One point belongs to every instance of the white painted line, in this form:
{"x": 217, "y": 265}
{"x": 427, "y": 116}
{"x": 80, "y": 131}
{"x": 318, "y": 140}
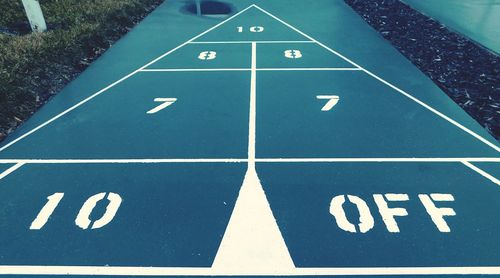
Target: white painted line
{"x": 11, "y": 169}
{"x": 252, "y": 113}
{"x": 194, "y": 70}
{"x": 242, "y": 160}
{"x": 243, "y": 42}
{"x": 123, "y": 161}
{"x": 249, "y": 69}
{"x": 389, "y": 271}
{"x": 381, "y": 159}
{"x": 117, "y": 82}
{"x": 477, "y": 136}
{"x": 481, "y": 172}
{"x": 305, "y": 69}
{"x": 252, "y": 241}
{"x": 204, "y": 271}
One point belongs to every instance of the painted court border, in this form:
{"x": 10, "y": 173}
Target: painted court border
{"x": 168, "y": 271}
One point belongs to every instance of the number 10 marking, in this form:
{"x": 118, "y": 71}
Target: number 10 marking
{"x": 83, "y": 218}
{"x": 253, "y": 29}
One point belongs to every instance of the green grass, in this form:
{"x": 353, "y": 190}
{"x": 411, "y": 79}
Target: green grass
{"x": 35, "y": 66}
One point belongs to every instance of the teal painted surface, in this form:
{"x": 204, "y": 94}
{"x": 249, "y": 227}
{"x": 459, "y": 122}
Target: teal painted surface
{"x": 490, "y": 168}
{"x": 175, "y": 214}
{"x": 4, "y": 167}
{"x": 313, "y": 56}
{"x": 227, "y": 56}
{"x": 300, "y": 196}
{"x": 477, "y": 19}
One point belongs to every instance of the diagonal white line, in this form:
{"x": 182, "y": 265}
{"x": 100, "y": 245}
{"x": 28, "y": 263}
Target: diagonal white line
{"x": 118, "y": 81}
{"x": 11, "y": 169}
{"x": 481, "y": 172}
{"x": 428, "y": 107}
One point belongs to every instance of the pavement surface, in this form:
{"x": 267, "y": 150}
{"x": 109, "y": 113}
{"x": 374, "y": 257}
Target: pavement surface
{"x": 287, "y": 139}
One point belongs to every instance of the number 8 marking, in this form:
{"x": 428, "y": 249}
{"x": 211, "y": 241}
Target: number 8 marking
{"x": 293, "y": 54}
{"x": 207, "y": 55}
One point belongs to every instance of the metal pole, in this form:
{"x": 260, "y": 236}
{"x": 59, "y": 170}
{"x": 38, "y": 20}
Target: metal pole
{"x": 198, "y": 7}
{"x": 35, "y": 15}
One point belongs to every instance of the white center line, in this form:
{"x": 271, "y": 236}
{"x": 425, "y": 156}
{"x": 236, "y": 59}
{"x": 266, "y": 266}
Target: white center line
{"x": 252, "y": 116}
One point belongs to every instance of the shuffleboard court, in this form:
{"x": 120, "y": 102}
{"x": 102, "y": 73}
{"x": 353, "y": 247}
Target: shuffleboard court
{"x": 254, "y": 148}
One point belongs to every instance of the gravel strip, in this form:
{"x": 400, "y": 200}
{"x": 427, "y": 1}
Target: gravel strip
{"x": 467, "y": 72}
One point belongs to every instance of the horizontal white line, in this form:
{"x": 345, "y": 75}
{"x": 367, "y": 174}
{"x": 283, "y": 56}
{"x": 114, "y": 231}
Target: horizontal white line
{"x": 183, "y": 70}
{"x": 204, "y": 271}
{"x": 239, "y": 160}
{"x": 318, "y": 69}
{"x": 239, "y": 42}
{"x": 248, "y": 69}
{"x": 383, "y": 159}
{"x": 123, "y": 161}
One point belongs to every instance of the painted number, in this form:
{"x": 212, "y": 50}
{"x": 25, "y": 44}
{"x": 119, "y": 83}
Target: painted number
{"x": 256, "y": 29}
{"x": 207, "y": 55}
{"x": 166, "y": 103}
{"x": 46, "y": 212}
{"x": 83, "y": 218}
{"x": 253, "y": 29}
{"x": 293, "y": 54}
{"x": 332, "y": 101}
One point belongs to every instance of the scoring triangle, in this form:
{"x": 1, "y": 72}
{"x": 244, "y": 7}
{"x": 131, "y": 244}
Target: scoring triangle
{"x": 253, "y": 25}
{"x": 252, "y": 242}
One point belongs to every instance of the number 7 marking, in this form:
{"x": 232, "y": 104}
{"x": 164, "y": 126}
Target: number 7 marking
{"x": 166, "y": 102}
{"x": 332, "y": 101}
